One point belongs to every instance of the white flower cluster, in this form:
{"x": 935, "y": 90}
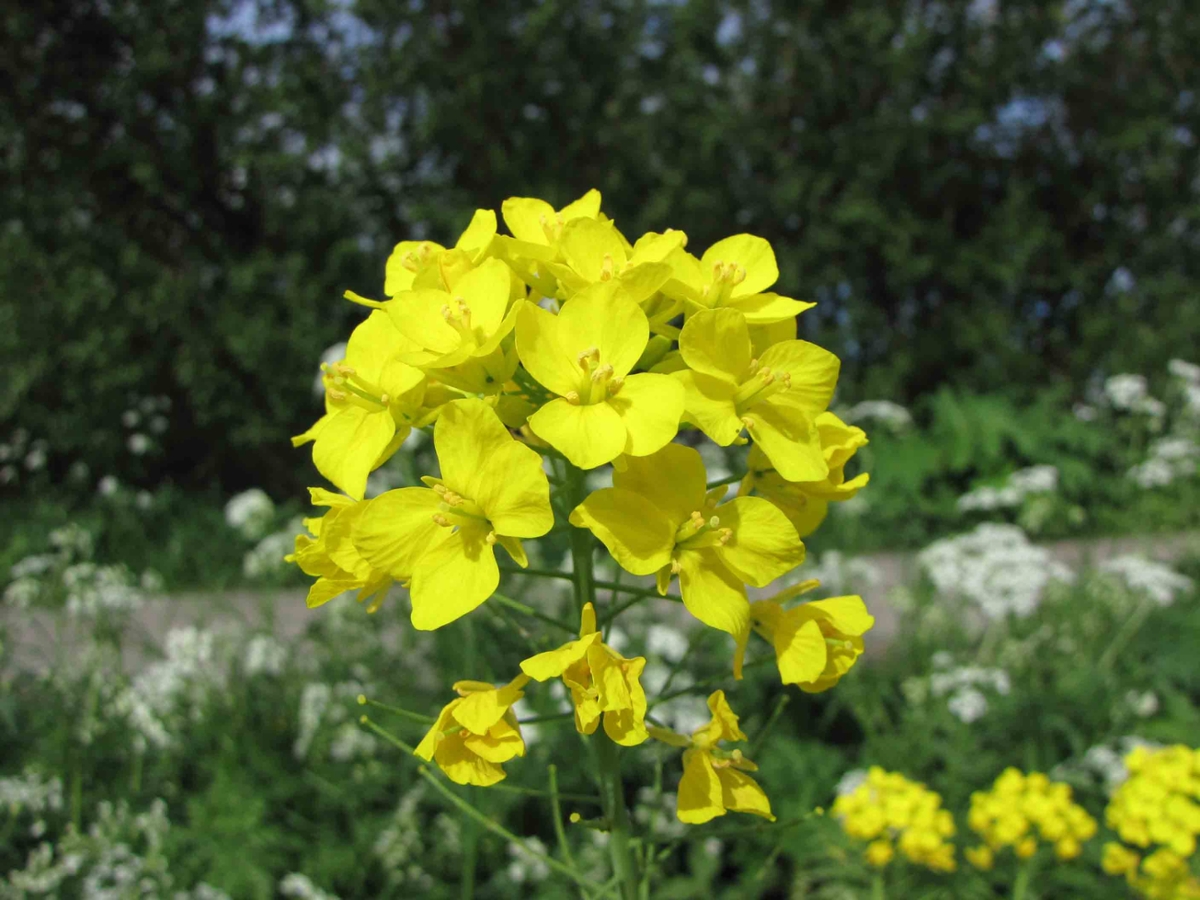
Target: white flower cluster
{"x": 891, "y": 415}
{"x": 1158, "y": 581}
{"x": 145, "y": 421}
{"x": 180, "y": 684}
{"x": 31, "y": 793}
{"x": 850, "y": 782}
{"x": 1019, "y": 485}
{"x": 840, "y": 574}
{"x": 1130, "y": 393}
{"x": 1188, "y": 377}
{"x": 329, "y": 706}
{"x": 524, "y": 867}
{"x": 302, "y": 888}
{"x": 267, "y": 557}
{"x": 250, "y": 513}
{"x": 93, "y": 590}
{"x": 965, "y": 686}
{"x": 1103, "y": 762}
{"x": 400, "y": 845}
{"x": 264, "y": 655}
{"x": 995, "y": 568}
{"x": 1170, "y": 458}
{"x": 19, "y": 452}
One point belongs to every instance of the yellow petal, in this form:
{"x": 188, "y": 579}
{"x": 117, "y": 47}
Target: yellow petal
{"x": 349, "y": 444}
{"x": 709, "y": 403}
{"x": 587, "y": 620}
{"x": 480, "y": 710}
{"x": 650, "y": 407}
{"x": 789, "y": 438}
{"x": 453, "y": 577}
{"x": 478, "y": 236}
{"x": 597, "y": 317}
{"x": 716, "y": 342}
{"x": 676, "y": 496}
{"x": 635, "y": 531}
{"x": 429, "y": 743}
{"x": 667, "y": 736}
{"x": 754, "y": 254}
{"x": 700, "y": 797}
{"x": 502, "y": 742}
{"x": 764, "y": 336}
{"x": 553, "y": 663}
{"x": 543, "y": 352}
{"x": 589, "y": 436}
{"x": 396, "y": 528}
{"x": 585, "y": 243}
{"x": 514, "y": 492}
{"x": 625, "y": 728}
{"x": 525, "y": 216}
{"x": 813, "y": 370}
{"x": 417, "y": 315}
{"x": 398, "y": 276}
{"x": 712, "y": 593}
{"x": 800, "y": 649}
{"x": 463, "y": 766}
{"x": 639, "y": 283}
{"x": 485, "y": 291}
{"x": 769, "y": 309}
{"x": 586, "y": 206}
{"x": 325, "y": 589}
{"x": 724, "y": 717}
{"x": 467, "y": 434}
{"x": 611, "y": 690}
{"x": 652, "y": 247}
{"x": 764, "y": 544}
{"x": 741, "y": 793}
{"x": 847, "y": 614}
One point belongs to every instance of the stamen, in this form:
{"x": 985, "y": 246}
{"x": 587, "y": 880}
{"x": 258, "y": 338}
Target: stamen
{"x": 602, "y": 373}
{"x": 335, "y": 394}
{"x": 439, "y": 519}
{"x": 697, "y": 518}
{"x": 491, "y": 538}
{"x": 676, "y": 567}
{"x": 439, "y": 488}
{"x": 606, "y": 268}
{"x": 739, "y": 276}
{"x": 588, "y": 358}
{"x": 724, "y": 536}
{"x": 615, "y": 384}
{"x": 714, "y": 522}
{"x": 748, "y": 422}
{"x": 753, "y": 366}
{"x": 384, "y": 399}
{"x": 572, "y": 397}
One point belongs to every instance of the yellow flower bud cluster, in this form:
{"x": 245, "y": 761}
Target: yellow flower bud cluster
{"x": 1019, "y": 811}
{"x": 1157, "y": 809}
{"x": 892, "y": 813}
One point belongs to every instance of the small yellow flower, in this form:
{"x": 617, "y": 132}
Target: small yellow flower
{"x": 806, "y": 503}
{"x": 584, "y": 356}
{"x": 888, "y": 807}
{"x": 1022, "y": 809}
{"x": 476, "y": 732}
{"x": 735, "y": 273}
{"x": 981, "y": 857}
{"x": 421, "y": 263}
{"x": 714, "y": 780}
{"x": 594, "y": 251}
{"x": 879, "y": 853}
{"x": 815, "y": 643}
{"x": 372, "y": 400}
{"x": 492, "y": 491}
{"x": 600, "y": 680}
{"x": 1119, "y": 860}
{"x": 536, "y": 228}
{"x": 775, "y": 398}
{"x": 659, "y": 519}
{"x": 331, "y": 556}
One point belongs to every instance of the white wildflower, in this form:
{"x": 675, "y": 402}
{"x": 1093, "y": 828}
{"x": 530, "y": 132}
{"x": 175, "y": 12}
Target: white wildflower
{"x": 850, "y": 782}
{"x": 525, "y": 867}
{"x": 264, "y": 655}
{"x": 1125, "y": 391}
{"x": 968, "y": 705}
{"x": 1156, "y": 580}
{"x": 108, "y": 486}
{"x": 1142, "y": 704}
{"x": 31, "y": 793}
{"x": 1152, "y": 473}
{"x": 138, "y": 444}
{"x": 1085, "y": 412}
{"x": 250, "y": 513}
{"x": 302, "y": 888}
{"x": 885, "y": 412}
{"x": 1185, "y": 371}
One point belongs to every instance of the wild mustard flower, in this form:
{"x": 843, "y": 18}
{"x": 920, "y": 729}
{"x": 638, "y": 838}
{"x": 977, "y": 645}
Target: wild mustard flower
{"x": 421, "y": 264}
{"x": 733, "y": 273}
{"x": 1157, "y": 810}
{"x": 594, "y": 251}
{"x": 332, "y": 556}
{"x": 584, "y": 356}
{"x": 372, "y": 400}
{"x": 816, "y": 643}
{"x": 601, "y": 681}
{"x": 667, "y": 525}
{"x": 476, "y": 732}
{"x": 492, "y": 490}
{"x": 1020, "y": 810}
{"x": 775, "y": 398}
{"x": 890, "y": 813}
{"x": 714, "y": 780}
{"x": 806, "y": 503}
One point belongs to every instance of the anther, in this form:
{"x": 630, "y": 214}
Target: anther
{"x": 748, "y": 422}
{"x": 697, "y": 518}
{"x": 602, "y": 373}
{"x": 384, "y": 399}
{"x": 753, "y": 366}
{"x": 335, "y": 394}
{"x": 588, "y": 357}
{"x": 572, "y": 397}
{"x": 616, "y": 383}
{"x": 714, "y": 522}
{"x": 439, "y": 489}
{"x": 491, "y": 538}
{"x": 724, "y": 536}
{"x": 439, "y": 519}
{"x": 676, "y": 567}
{"x": 606, "y": 268}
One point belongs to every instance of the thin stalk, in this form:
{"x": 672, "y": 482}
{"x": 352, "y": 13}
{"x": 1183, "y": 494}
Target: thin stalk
{"x": 759, "y": 738}
{"x": 518, "y": 606}
{"x": 496, "y": 828}
{"x": 639, "y": 591}
{"x": 705, "y": 684}
{"x": 877, "y": 889}
{"x": 560, "y": 833}
{"x": 581, "y": 542}
{"x": 1024, "y": 876}
{"x": 1131, "y": 627}
{"x": 618, "y": 816}
{"x": 396, "y": 710}
{"x": 615, "y": 611}
{"x": 538, "y": 573}
{"x": 728, "y": 479}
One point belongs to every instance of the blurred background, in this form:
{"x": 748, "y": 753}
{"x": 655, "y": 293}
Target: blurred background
{"x": 995, "y": 203}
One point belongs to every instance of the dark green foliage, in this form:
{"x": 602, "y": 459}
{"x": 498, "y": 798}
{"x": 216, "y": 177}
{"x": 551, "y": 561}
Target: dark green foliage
{"x": 993, "y": 196}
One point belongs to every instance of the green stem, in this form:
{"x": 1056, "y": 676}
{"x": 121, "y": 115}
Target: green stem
{"x": 364, "y": 700}
{"x": 638, "y": 591}
{"x": 537, "y": 573}
{"x": 759, "y": 738}
{"x": 1131, "y": 627}
{"x": 518, "y": 606}
{"x": 877, "y": 888}
{"x": 728, "y": 479}
{"x": 581, "y": 542}
{"x": 613, "y": 793}
{"x": 1024, "y": 875}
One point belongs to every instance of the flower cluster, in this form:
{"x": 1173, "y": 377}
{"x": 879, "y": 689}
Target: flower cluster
{"x": 891, "y": 812}
{"x": 533, "y": 358}
{"x": 1157, "y": 810}
{"x": 1022, "y": 809}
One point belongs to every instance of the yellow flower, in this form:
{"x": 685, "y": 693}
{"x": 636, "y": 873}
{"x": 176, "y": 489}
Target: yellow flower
{"x": 714, "y": 780}
{"x": 1020, "y": 809}
{"x": 806, "y": 503}
{"x": 815, "y": 643}
{"x": 594, "y": 251}
{"x": 776, "y": 398}
{"x": 448, "y": 328}
{"x": 888, "y": 807}
{"x": 331, "y": 556}
{"x": 1157, "y": 807}
{"x": 372, "y": 400}
{"x": 879, "y": 853}
{"x": 981, "y": 857}
{"x": 476, "y": 732}
{"x": 492, "y": 490}
{"x": 659, "y": 519}
{"x": 420, "y": 263}
{"x": 601, "y": 681}
{"x": 734, "y": 273}
{"x": 536, "y": 229}
{"x": 584, "y": 355}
